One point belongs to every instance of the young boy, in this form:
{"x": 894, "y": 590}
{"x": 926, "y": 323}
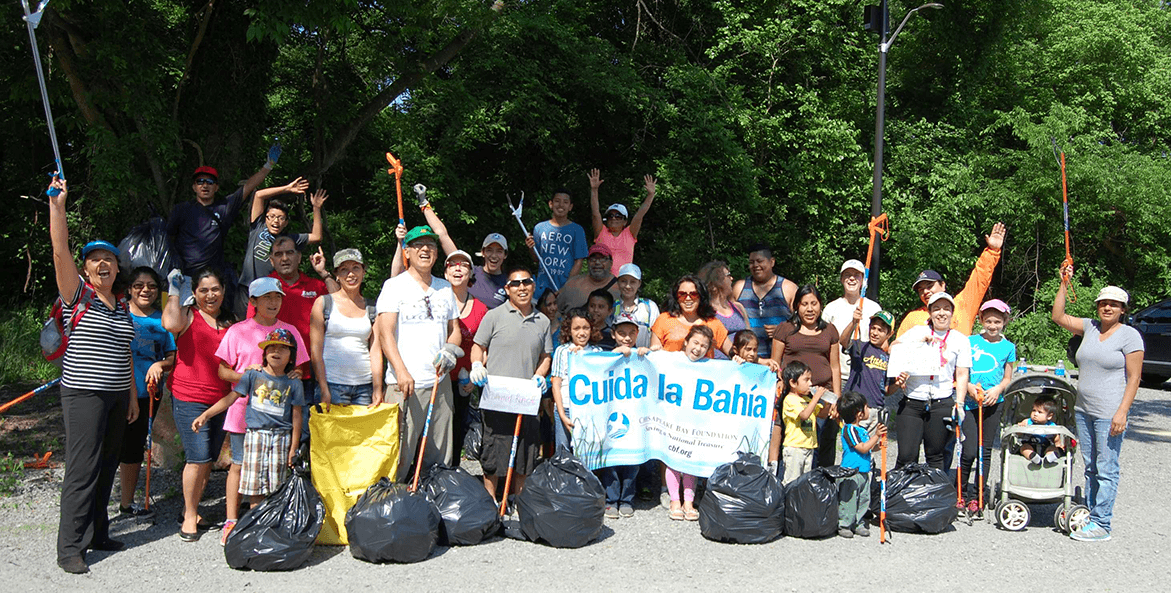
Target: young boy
{"x": 599, "y": 306}
{"x": 857, "y": 444}
{"x": 620, "y": 481}
{"x": 611, "y": 229}
{"x": 269, "y": 219}
{"x": 800, "y": 402}
{"x": 868, "y": 360}
{"x": 559, "y": 243}
{"x": 643, "y": 311}
{"x": 274, "y": 403}
{"x": 1040, "y": 448}
{"x": 993, "y": 360}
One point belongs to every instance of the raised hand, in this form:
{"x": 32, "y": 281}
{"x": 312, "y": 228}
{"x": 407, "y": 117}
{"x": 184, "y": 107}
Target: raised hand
{"x": 400, "y": 232}
{"x": 595, "y": 176}
{"x": 58, "y": 201}
{"x": 317, "y": 260}
{"x": 648, "y": 181}
{"x": 297, "y": 186}
{"x": 274, "y": 153}
{"x": 421, "y": 195}
{"x": 317, "y": 200}
{"x": 996, "y": 239}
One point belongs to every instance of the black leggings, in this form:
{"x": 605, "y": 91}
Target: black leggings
{"x": 971, "y": 443}
{"x": 921, "y": 423}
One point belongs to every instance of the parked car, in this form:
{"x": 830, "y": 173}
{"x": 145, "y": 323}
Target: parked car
{"x": 1154, "y": 323}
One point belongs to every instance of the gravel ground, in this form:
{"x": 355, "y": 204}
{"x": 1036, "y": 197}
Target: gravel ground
{"x": 647, "y": 551}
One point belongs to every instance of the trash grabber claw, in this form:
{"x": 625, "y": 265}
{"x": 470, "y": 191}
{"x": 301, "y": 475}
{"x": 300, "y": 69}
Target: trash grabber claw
{"x": 396, "y": 169}
{"x": 511, "y": 464}
{"x": 426, "y": 429}
{"x": 879, "y": 228}
{"x": 1060, "y": 155}
{"x": 33, "y": 19}
{"x": 151, "y": 389}
{"x": 516, "y": 212}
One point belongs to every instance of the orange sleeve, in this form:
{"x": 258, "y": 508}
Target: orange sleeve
{"x": 916, "y": 317}
{"x": 969, "y": 299}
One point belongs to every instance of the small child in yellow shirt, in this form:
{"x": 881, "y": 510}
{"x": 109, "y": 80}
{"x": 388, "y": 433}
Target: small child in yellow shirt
{"x": 799, "y": 403}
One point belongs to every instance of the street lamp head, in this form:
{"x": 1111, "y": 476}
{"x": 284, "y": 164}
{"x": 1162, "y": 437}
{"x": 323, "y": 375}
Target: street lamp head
{"x": 932, "y": 5}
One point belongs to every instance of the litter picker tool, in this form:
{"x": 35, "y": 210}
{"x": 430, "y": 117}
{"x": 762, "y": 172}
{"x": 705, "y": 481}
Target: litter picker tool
{"x": 980, "y": 450}
{"x": 5, "y": 407}
{"x": 517, "y": 212}
{"x": 33, "y": 19}
{"x": 879, "y": 228}
{"x": 426, "y": 429}
{"x": 959, "y": 450}
{"x": 152, "y": 388}
{"x": 1060, "y": 156}
{"x": 883, "y": 417}
{"x": 511, "y": 464}
{"x": 396, "y": 169}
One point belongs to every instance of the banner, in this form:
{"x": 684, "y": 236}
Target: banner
{"x": 914, "y": 358}
{"x": 511, "y": 395}
{"x": 693, "y": 416}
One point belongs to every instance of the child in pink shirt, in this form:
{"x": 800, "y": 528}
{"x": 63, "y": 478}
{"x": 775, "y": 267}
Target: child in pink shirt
{"x": 612, "y": 229}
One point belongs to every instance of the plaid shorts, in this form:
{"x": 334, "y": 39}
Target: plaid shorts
{"x": 266, "y": 457}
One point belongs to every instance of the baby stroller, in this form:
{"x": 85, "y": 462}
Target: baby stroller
{"x": 1021, "y": 482}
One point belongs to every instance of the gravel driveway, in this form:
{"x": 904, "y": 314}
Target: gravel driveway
{"x": 647, "y": 551}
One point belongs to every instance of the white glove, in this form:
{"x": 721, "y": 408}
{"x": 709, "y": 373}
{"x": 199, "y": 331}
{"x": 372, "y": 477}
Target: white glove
{"x": 542, "y": 383}
{"x": 445, "y": 359}
{"x": 175, "y": 282}
{"x": 479, "y": 374}
{"x": 421, "y": 194}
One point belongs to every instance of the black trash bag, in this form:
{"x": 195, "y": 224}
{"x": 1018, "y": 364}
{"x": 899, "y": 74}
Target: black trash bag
{"x": 562, "y": 503}
{"x": 919, "y": 499}
{"x": 469, "y": 514}
{"x": 390, "y": 524}
{"x": 147, "y": 245}
{"x": 474, "y": 440}
{"x": 279, "y": 533}
{"x": 811, "y": 502}
{"x": 744, "y": 504}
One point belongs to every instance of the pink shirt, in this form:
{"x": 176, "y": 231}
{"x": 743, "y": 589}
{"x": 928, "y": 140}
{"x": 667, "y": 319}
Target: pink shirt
{"x": 621, "y": 246}
{"x": 240, "y": 349}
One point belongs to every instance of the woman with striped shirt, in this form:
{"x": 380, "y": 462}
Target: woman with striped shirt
{"x": 98, "y": 395}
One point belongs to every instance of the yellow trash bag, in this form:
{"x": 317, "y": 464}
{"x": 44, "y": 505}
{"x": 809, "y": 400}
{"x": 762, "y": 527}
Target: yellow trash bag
{"x": 352, "y": 447}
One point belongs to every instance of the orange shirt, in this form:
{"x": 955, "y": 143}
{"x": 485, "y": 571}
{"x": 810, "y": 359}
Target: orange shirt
{"x": 672, "y": 332}
{"x": 967, "y": 301}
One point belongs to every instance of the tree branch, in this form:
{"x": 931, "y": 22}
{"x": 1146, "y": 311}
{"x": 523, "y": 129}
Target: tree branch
{"x": 195, "y": 43}
{"x": 59, "y": 42}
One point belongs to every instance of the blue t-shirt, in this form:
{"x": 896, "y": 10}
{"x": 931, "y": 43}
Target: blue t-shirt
{"x": 151, "y": 344}
{"x": 270, "y": 400}
{"x": 558, "y": 247}
{"x": 988, "y": 360}
{"x": 868, "y": 372}
{"x": 852, "y": 436}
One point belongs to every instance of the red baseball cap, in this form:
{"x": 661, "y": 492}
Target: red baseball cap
{"x": 209, "y": 171}
{"x": 599, "y": 249}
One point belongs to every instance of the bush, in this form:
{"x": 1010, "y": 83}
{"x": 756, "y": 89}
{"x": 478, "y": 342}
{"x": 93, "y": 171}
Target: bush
{"x": 20, "y": 350}
{"x": 1037, "y": 338}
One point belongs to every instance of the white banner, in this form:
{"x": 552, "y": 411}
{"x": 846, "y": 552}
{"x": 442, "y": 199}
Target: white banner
{"x": 914, "y": 358}
{"x": 693, "y": 416}
{"x": 512, "y": 395}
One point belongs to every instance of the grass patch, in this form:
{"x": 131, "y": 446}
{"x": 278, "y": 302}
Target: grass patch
{"x": 20, "y": 349}
{"x": 11, "y": 473}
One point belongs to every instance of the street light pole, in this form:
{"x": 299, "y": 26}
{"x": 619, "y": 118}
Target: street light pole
{"x": 879, "y": 121}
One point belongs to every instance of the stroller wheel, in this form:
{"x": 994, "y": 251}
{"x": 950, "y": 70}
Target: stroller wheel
{"x": 1077, "y": 517}
{"x": 1060, "y": 520}
{"x": 1012, "y": 515}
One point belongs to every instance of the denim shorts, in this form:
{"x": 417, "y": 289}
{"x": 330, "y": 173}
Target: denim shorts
{"x": 203, "y": 446}
{"x": 237, "y": 444}
{"x": 348, "y": 395}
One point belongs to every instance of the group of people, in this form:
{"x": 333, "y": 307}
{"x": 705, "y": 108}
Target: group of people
{"x": 245, "y": 356}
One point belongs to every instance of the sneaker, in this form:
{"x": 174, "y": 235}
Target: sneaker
{"x": 1091, "y": 532}
{"x": 861, "y": 530}
{"x": 135, "y": 511}
{"x": 960, "y": 504}
{"x": 973, "y": 507}
{"x": 625, "y": 510}
{"x": 225, "y": 530}
{"x": 845, "y": 532}
{"x": 611, "y": 512}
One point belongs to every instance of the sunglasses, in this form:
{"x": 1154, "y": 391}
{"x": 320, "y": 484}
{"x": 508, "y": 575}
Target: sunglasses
{"x": 205, "y": 181}
{"x": 519, "y": 283}
{"x": 144, "y": 286}
{"x": 427, "y": 302}
{"x": 687, "y": 296}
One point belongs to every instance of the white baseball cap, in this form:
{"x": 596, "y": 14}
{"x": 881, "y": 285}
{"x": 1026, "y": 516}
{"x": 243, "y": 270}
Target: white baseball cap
{"x": 619, "y": 208}
{"x": 1113, "y": 293}
{"x": 493, "y": 238}
{"x": 630, "y": 270}
{"x": 853, "y": 264}
{"x": 941, "y": 296}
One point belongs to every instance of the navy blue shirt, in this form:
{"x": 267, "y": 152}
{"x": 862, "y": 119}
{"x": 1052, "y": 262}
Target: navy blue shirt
{"x": 197, "y": 232}
{"x": 868, "y": 372}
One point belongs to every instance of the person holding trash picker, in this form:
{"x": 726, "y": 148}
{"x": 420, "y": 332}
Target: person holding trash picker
{"x": 514, "y": 340}
{"x": 967, "y": 300}
{"x": 1110, "y": 362}
{"x": 419, "y": 311}
{"x": 857, "y": 446}
{"x": 840, "y": 311}
{"x": 868, "y": 361}
{"x": 275, "y": 402}
{"x": 611, "y": 228}
{"x": 993, "y": 361}
{"x": 98, "y": 393}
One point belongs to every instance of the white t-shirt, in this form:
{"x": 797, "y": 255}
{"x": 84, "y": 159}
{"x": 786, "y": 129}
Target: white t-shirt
{"x": 954, "y": 350}
{"x": 840, "y": 313}
{"x": 422, "y": 323}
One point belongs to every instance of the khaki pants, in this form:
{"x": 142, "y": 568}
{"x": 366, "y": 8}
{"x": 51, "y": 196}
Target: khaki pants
{"x": 413, "y": 417}
{"x": 797, "y": 461}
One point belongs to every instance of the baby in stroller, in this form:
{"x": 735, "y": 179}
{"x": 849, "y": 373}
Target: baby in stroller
{"x": 1042, "y": 448}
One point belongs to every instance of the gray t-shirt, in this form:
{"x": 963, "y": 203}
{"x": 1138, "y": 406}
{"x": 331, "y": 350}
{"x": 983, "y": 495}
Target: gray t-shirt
{"x": 514, "y": 341}
{"x": 1102, "y": 368}
{"x": 270, "y": 400}
{"x": 256, "y": 262}
{"x": 489, "y": 288}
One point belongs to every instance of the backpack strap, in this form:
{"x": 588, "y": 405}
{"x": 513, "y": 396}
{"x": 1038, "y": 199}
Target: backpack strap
{"x": 84, "y": 301}
{"x": 326, "y": 307}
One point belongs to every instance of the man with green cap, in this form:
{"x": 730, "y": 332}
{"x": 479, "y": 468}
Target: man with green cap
{"x": 420, "y": 312}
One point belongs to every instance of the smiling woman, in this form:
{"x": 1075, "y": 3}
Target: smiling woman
{"x": 97, "y": 388}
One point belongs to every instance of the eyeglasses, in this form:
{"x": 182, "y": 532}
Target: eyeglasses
{"x": 427, "y": 245}
{"x": 276, "y": 217}
{"x": 459, "y": 264}
{"x": 520, "y": 282}
{"x": 144, "y": 286}
{"x": 687, "y": 296}
{"x": 205, "y": 181}
{"x": 427, "y": 302}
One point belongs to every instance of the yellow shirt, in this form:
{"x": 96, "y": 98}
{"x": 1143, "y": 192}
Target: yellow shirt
{"x": 967, "y": 301}
{"x": 799, "y": 433}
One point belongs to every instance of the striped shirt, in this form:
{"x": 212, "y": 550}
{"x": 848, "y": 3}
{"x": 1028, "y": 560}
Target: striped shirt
{"x": 98, "y": 355}
{"x": 772, "y": 309}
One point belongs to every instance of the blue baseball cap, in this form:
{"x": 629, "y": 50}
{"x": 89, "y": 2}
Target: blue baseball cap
{"x": 263, "y": 286}
{"x": 105, "y": 245}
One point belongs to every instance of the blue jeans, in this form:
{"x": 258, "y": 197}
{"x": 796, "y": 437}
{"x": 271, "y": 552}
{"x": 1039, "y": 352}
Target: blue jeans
{"x": 348, "y": 395}
{"x": 561, "y": 437}
{"x": 619, "y": 484}
{"x": 203, "y": 446}
{"x": 236, "y": 442}
{"x": 1100, "y": 453}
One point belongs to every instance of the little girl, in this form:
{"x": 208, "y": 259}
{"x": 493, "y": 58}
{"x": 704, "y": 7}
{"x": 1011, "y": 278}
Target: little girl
{"x": 641, "y": 310}
{"x": 575, "y": 337}
{"x": 273, "y": 416}
{"x": 744, "y": 350}
{"x": 695, "y": 346}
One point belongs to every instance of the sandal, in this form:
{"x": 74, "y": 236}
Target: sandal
{"x": 190, "y": 537}
{"x": 677, "y": 515}
{"x": 691, "y": 515}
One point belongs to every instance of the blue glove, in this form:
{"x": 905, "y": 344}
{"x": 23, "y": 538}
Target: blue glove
{"x": 479, "y": 374}
{"x": 542, "y": 383}
{"x": 274, "y": 154}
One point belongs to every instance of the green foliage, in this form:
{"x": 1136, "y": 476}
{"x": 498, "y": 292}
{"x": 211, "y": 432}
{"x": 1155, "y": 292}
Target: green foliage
{"x": 20, "y": 356}
{"x": 11, "y": 473}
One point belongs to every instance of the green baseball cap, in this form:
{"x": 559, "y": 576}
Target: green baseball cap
{"x": 419, "y": 232}
{"x": 885, "y": 317}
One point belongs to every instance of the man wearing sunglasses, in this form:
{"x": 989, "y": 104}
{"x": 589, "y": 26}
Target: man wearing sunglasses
{"x": 576, "y": 291}
{"x": 420, "y": 312}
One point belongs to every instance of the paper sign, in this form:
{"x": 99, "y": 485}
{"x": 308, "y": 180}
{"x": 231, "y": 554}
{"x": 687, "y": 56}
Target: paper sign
{"x": 915, "y": 358}
{"x": 512, "y": 395}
